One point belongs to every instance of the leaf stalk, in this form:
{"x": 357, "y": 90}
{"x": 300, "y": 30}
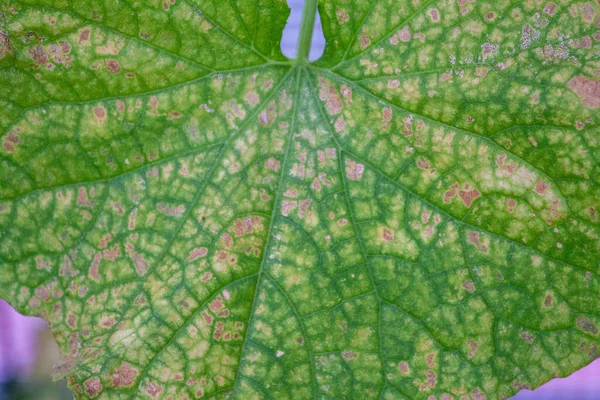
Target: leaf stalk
{"x": 309, "y": 14}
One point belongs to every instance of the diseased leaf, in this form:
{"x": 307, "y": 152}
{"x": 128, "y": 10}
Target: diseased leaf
{"x": 413, "y": 216}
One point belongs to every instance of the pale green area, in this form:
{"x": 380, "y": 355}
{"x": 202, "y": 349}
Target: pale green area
{"x": 413, "y": 216}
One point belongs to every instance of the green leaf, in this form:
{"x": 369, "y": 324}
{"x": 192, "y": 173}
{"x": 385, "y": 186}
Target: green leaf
{"x": 413, "y": 216}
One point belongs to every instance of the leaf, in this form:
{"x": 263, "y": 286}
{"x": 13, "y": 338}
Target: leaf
{"x": 415, "y": 215}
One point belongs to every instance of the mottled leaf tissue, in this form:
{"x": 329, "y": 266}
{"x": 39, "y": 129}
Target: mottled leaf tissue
{"x": 415, "y": 215}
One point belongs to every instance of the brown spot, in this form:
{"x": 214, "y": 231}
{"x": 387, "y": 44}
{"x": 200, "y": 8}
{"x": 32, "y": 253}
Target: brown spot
{"x": 403, "y": 34}
{"x": 342, "y": 16}
{"x": 207, "y": 317}
{"x": 167, "y": 4}
{"x": 303, "y": 207}
{"x": 65, "y": 47}
{"x": 423, "y": 164}
{"x": 388, "y": 235}
{"x": 588, "y": 90}
{"x": 100, "y": 113}
{"x": 131, "y": 219}
{"x": 587, "y": 325}
{"x": 316, "y": 185}
{"x": 252, "y": 98}
{"x": 5, "y": 44}
{"x": 112, "y": 253}
{"x": 549, "y": 9}
{"x": 434, "y": 15}
{"x": 431, "y": 380}
{"x": 154, "y": 104}
{"x": 93, "y": 272}
{"x": 239, "y": 229}
{"x": 339, "y": 124}
{"x": 487, "y": 49}
{"x": 431, "y": 360}
{"x": 104, "y": 241}
{"x": 82, "y": 198}
{"x": 348, "y": 355}
{"x": 272, "y": 164}
{"x": 364, "y": 40}
{"x": 477, "y": 394}
{"x": 84, "y": 36}
{"x": 587, "y": 11}
{"x": 473, "y": 348}
{"x": 446, "y": 77}
{"x": 34, "y": 302}
{"x": 354, "y": 171}
{"x": 10, "y": 140}
{"x": 511, "y": 203}
{"x": 197, "y": 253}
{"x": 140, "y": 264}
{"x": 206, "y": 277}
{"x": 93, "y": 387}
{"x": 541, "y": 187}
{"x": 40, "y": 263}
{"x": 153, "y": 389}
{"x": 218, "y": 331}
{"x": 584, "y": 43}
{"x": 217, "y": 304}
{"x": 287, "y": 206}
{"x": 593, "y": 351}
{"x": 548, "y": 301}
{"x": 450, "y": 193}
{"x": 171, "y": 211}
{"x": 468, "y": 196}
{"x": 403, "y": 367}
{"x": 500, "y": 159}
{"x": 346, "y": 91}
{"x": 474, "y": 237}
{"x": 481, "y": 72}
{"x": 39, "y": 55}
{"x": 71, "y": 320}
{"x": 221, "y": 255}
{"x": 43, "y": 293}
{"x": 328, "y": 93}
{"x": 527, "y": 337}
{"x": 519, "y": 385}
{"x": 152, "y": 173}
{"x": 469, "y": 286}
{"x": 387, "y": 114}
{"x": 124, "y": 375}
{"x": 532, "y": 141}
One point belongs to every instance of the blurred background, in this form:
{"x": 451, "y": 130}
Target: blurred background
{"x": 28, "y": 351}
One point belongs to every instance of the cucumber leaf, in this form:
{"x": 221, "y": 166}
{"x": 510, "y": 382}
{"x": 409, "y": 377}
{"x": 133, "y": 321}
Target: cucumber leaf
{"x": 416, "y": 215}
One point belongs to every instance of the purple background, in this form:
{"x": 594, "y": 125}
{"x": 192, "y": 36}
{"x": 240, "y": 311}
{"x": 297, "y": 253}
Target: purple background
{"x": 19, "y": 349}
